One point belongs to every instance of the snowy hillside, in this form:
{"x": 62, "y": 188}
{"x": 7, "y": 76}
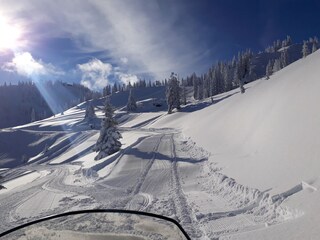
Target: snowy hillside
{"x": 29, "y": 101}
{"x": 244, "y": 166}
{"x": 267, "y": 138}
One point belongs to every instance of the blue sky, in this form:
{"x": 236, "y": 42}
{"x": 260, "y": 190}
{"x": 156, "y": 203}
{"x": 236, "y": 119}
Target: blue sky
{"x": 96, "y": 42}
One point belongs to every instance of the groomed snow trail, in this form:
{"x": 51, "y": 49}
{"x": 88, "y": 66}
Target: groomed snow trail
{"x": 161, "y": 172}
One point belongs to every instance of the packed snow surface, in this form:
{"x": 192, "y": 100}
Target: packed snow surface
{"x": 245, "y": 166}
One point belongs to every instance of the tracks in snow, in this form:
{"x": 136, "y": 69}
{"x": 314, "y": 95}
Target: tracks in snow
{"x": 183, "y": 211}
{"x": 147, "y": 168}
{"x": 136, "y": 201}
{"x": 159, "y": 171}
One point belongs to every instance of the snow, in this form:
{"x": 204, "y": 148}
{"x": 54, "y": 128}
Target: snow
{"x": 243, "y": 167}
{"x": 23, "y": 180}
{"x": 267, "y": 138}
{"x": 141, "y": 120}
{"x": 269, "y": 133}
{"x": 77, "y": 150}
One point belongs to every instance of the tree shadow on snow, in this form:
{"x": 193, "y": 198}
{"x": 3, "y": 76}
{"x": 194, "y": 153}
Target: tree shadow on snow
{"x": 160, "y": 156}
{"x": 199, "y": 106}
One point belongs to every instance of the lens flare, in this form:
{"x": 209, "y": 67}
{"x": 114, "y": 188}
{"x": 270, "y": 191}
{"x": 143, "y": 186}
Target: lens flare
{"x": 10, "y": 35}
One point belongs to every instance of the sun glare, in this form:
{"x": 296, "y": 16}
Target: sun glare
{"x": 10, "y": 35}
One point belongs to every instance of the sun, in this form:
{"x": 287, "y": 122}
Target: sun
{"x": 10, "y": 35}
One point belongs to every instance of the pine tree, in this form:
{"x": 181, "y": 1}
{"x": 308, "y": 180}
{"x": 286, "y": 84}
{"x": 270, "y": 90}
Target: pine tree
{"x": 195, "y": 85}
{"x": 200, "y": 88}
{"x": 108, "y": 141}
{"x": 276, "y": 65}
{"x": 90, "y": 114}
{"x": 106, "y": 90}
{"x": 206, "y": 86}
{"x": 289, "y": 41}
{"x": 115, "y": 88}
{"x": 173, "y": 93}
{"x": 227, "y": 78}
{"x": 284, "y": 58}
{"x": 236, "y": 78}
{"x": 314, "y": 44}
{"x": 131, "y": 105}
{"x": 268, "y": 69}
{"x": 184, "y": 93}
{"x": 305, "y": 49}
{"x": 242, "y": 89}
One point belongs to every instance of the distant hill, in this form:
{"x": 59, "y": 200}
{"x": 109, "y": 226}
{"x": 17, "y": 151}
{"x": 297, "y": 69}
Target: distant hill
{"x": 22, "y": 103}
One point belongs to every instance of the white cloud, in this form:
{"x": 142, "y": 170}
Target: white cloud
{"x": 95, "y": 74}
{"x": 126, "y": 78}
{"x": 25, "y": 65}
{"x": 143, "y": 31}
{"x": 124, "y": 60}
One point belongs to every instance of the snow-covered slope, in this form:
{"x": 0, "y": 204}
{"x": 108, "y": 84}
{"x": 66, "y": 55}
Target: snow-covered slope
{"x": 271, "y": 132}
{"x": 267, "y": 138}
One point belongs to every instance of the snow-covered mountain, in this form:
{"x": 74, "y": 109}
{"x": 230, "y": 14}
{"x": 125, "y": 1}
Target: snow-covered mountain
{"x": 243, "y": 166}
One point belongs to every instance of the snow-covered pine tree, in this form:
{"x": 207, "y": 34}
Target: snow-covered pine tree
{"x": 236, "y": 78}
{"x": 195, "y": 85}
{"x": 268, "y": 69}
{"x": 90, "y": 114}
{"x": 276, "y": 65}
{"x": 227, "y": 79}
{"x": 242, "y": 89}
{"x": 131, "y": 105}
{"x": 184, "y": 92}
{"x": 213, "y": 81}
{"x": 173, "y": 93}
{"x": 284, "y": 58}
{"x": 305, "y": 49}
{"x": 200, "y": 88}
{"x": 314, "y": 44}
{"x": 108, "y": 141}
{"x": 289, "y": 41}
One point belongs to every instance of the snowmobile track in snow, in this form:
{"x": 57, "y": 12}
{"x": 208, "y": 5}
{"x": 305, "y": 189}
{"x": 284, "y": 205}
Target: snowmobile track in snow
{"x": 143, "y": 176}
{"x": 183, "y": 210}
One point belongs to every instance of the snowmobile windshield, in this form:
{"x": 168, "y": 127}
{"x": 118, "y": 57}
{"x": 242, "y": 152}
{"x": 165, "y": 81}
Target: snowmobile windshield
{"x": 99, "y": 224}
